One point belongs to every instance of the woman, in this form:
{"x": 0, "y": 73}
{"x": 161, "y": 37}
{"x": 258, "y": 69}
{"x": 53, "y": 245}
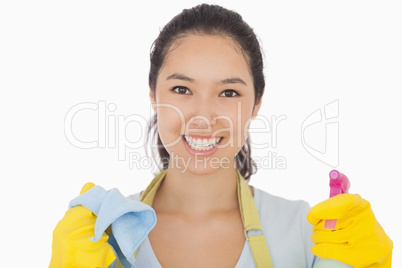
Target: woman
{"x": 206, "y": 85}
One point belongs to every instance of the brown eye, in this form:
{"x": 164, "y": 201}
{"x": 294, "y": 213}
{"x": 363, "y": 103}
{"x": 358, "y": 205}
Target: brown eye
{"x": 181, "y": 90}
{"x": 229, "y": 93}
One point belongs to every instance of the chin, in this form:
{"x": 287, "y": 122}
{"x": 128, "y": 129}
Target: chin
{"x": 199, "y": 171}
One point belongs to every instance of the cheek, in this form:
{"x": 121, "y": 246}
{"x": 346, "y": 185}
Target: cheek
{"x": 242, "y": 119}
{"x": 246, "y": 117}
{"x": 170, "y": 124}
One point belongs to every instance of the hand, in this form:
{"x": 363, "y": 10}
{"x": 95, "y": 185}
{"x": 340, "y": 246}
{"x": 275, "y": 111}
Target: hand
{"x": 72, "y": 245}
{"x": 358, "y": 239}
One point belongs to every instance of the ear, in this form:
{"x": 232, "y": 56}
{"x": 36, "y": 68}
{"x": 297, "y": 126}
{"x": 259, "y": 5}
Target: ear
{"x": 152, "y": 99}
{"x": 257, "y": 106}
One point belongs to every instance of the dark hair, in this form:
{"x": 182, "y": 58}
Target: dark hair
{"x": 212, "y": 20}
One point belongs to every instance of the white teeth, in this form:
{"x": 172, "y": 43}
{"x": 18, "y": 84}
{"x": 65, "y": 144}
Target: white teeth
{"x": 201, "y": 144}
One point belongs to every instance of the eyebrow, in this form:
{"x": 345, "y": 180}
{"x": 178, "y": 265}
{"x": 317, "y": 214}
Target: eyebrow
{"x": 232, "y": 80}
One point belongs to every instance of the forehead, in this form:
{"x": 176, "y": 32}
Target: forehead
{"x": 200, "y": 53}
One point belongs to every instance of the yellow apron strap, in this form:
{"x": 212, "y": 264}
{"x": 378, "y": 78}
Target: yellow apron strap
{"x": 148, "y": 195}
{"x": 251, "y": 221}
{"x": 119, "y": 265}
{"x": 248, "y": 210}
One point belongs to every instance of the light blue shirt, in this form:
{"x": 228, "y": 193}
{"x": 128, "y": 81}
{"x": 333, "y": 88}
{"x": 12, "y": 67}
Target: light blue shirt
{"x": 286, "y": 229}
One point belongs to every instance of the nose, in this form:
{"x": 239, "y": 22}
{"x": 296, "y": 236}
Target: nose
{"x": 201, "y": 122}
{"x": 202, "y": 115}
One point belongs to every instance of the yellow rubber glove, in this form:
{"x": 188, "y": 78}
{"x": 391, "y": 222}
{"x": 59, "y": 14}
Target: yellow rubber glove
{"x": 72, "y": 245}
{"x": 358, "y": 239}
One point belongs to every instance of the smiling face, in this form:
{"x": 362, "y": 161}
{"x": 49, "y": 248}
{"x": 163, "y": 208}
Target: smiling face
{"x": 204, "y": 91}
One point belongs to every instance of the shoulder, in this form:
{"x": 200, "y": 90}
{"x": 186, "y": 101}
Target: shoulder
{"x": 281, "y": 215}
{"x": 286, "y": 229}
{"x": 268, "y": 202}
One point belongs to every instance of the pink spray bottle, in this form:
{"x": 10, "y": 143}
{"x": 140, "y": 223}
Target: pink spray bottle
{"x": 339, "y": 184}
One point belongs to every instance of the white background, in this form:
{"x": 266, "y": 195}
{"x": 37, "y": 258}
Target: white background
{"x": 55, "y": 55}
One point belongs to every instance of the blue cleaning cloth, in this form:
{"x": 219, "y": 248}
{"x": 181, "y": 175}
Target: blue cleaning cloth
{"x": 131, "y": 220}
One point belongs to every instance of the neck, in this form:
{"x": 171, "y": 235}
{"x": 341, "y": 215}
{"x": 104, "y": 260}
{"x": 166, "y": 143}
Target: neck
{"x": 197, "y": 194}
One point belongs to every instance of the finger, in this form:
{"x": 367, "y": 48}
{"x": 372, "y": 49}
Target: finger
{"x": 331, "y": 236}
{"x": 76, "y": 216}
{"x": 334, "y": 208}
{"x": 340, "y": 224}
{"x": 330, "y": 251}
{"x": 92, "y": 254}
{"x": 346, "y": 254}
{"x": 86, "y": 187}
